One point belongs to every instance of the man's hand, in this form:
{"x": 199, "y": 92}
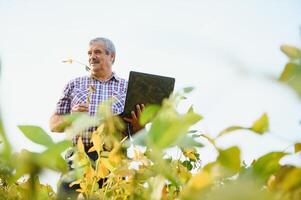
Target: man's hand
{"x": 135, "y": 118}
{"x": 83, "y": 107}
{"x": 57, "y": 122}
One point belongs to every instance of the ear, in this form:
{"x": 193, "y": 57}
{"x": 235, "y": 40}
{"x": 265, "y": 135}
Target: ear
{"x": 112, "y": 58}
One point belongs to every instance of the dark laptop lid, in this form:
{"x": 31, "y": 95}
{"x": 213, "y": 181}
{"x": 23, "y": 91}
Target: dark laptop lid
{"x": 146, "y": 89}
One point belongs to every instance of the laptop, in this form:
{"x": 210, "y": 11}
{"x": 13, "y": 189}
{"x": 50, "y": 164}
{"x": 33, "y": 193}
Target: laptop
{"x": 146, "y": 89}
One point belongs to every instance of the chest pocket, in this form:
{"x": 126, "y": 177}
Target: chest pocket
{"x": 79, "y": 96}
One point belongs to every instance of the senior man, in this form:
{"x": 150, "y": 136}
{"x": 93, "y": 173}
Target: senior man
{"x": 106, "y": 84}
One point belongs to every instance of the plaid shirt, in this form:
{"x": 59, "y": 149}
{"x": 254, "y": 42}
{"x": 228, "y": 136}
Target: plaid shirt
{"x": 77, "y": 91}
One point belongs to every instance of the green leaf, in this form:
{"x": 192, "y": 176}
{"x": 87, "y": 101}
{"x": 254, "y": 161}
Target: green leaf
{"x": 58, "y": 148}
{"x": 211, "y": 140}
{"x": 230, "y": 158}
{"x": 292, "y": 76}
{"x": 268, "y": 164}
{"x": 188, "y": 89}
{"x": 5, "y": 152}
{"x": 148, "y": 114}
{"x": 188, "y": 141}
{"x": 291, "y": 51}
{"x": 261, "y": 125}
{"x": 36, "y": 135}
{"x": 297, "y": 147}
{"x": 230, "y": 129}
{"x": 190, "y": 110}
{"x": 68, "y": 120}
{"x": 187, "y": 164}
{"x": 82, "y": 122}
{"x": 52, "y": 159}
{"x": 55, "y": 162}
{"x": 168, "y": 128}
{"x": 25, "y": 164}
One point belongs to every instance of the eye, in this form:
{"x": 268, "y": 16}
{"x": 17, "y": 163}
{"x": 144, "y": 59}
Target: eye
{"x": 89, "y": 53}
{"x": 97, "y": 51}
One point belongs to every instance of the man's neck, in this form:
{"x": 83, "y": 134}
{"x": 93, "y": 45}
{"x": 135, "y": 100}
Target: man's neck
{"x": 104, "y": 77}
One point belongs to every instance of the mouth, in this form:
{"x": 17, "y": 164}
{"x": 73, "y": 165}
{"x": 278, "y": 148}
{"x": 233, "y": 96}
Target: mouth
{"x": 94, "y": 63}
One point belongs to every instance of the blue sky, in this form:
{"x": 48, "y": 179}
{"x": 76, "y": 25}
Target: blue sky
{"x": 228, "y": 50}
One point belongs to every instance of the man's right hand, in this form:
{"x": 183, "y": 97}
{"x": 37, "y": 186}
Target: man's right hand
{"x": 57, "y": 122}
{"x": 83, "y": 107}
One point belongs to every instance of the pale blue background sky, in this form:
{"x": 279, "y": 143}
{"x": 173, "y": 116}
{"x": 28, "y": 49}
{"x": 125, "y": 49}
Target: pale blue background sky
{"x": 228, "y": 50}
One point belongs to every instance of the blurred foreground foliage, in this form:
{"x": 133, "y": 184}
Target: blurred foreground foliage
{"x": 292, "y": 71}
{"x": 149, "y": 173}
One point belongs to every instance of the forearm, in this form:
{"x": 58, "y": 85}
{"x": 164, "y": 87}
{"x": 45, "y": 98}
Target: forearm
{"x": 57, "y": 123}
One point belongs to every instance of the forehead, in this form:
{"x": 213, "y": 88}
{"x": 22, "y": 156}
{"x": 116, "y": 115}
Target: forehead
{"x": 97, "y": 45}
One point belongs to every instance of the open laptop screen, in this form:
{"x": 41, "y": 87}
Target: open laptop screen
{"x": 146, "y": 89}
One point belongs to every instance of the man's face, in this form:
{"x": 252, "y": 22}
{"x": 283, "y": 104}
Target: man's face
{"x": 100, "y": 61}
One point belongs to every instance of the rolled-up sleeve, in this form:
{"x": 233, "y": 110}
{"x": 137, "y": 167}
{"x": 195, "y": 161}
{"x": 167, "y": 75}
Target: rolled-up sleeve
{"x": 63, "y": 106}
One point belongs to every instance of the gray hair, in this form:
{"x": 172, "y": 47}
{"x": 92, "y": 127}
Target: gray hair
{"x": 110, "y": 48}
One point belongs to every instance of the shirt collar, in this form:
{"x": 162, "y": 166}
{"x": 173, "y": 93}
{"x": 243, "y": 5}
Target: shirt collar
{"x": 113, "y": 77}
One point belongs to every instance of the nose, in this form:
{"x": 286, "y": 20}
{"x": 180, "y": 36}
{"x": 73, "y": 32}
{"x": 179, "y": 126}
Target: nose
{"x": 92, "y": 55}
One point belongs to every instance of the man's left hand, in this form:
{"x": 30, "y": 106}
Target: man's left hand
{"x": 135, "y": 118}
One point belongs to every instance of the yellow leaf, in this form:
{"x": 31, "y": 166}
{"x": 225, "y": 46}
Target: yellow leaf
{"x": 230, "y": 158}
{"x": 124, "y": 139}
{"x": 297, "y": 147}
{"x": 292, "y": 179}
{"x": 190, "y": 153}
{"x": 79, "y": 190}
{"x": 201, "y": 180}
{"x": 288, "y": 72}
{"x": 90, "y": 173}
{"x": 68, "y": 61}
{"x": 183, "y": 173}
{"x": 214, "y": 169}
{"x": 107, "y": 164}
{"x": 75, "y": 182}
{"x": 115, "y": 158}
{"x": 198, "y": 182}
{"x": 92, "y": 149}
{"x": 100, "y": 129}
{"x": 80, "y": 145}
{"x": 261, "y": 125}
{"x": 102, "y": 171}
{"x": 91, "y": 89}
{"x": 95, "y": 138}
{"x": 83, "y": 186}
{"x": 123, "y": 171}
{"x": 291, "y": 51}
